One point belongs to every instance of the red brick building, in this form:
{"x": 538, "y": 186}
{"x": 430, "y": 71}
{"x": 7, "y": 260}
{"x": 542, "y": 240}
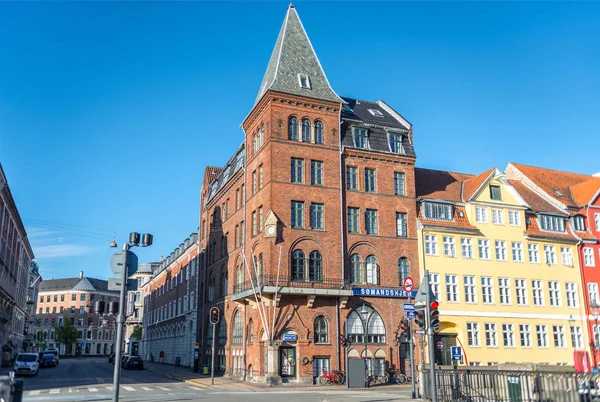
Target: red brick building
{"x": 309, "y": 229}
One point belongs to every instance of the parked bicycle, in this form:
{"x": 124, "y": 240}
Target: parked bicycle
{"x": 332, "y": 377}
{"x": 404, "y": 379}
{"x": 381, "y": 378}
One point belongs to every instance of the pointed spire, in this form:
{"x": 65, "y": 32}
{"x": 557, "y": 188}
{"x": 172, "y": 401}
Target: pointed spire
{"x": 294, "y": 67}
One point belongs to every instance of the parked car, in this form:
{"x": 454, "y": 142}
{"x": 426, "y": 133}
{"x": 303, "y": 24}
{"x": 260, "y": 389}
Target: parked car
{"x": 48, "y": 360}
{"x": 133, "y": 362}
{"x": 55, "y": 352}
{"x": 26, "y": 364}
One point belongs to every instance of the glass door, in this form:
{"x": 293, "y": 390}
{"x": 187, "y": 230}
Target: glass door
{"x": 288, "y": 362}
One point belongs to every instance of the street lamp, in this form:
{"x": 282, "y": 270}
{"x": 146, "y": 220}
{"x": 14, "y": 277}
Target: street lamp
{"x": 134, "y": 241}
{"x": 367, "y": 313}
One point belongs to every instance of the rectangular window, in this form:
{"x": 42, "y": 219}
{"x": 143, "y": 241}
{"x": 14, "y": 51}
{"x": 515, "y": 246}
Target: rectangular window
{"x": 297, "y": 214}
{"x": 551, "y": 223}
{"x": 559, "y": 336}
{"x": 470, "y": 289}
{"x": 597, "y": 220}
{"x": 399, "y": 184}
{"x": 534, "y": 253}
{"x": 396, "y": 143}
{"x": 487, "y": 290}
{"x": 504, "y": 288}
{"x": 449, "y": 246}
{"x": 467, "y": 247}
{"x": 593, "y": 293}
{"x": 434, "y": 210}
{"x": 521, "y": 288}
{"x": 473, "y": 334}
{"x": 260, "y": 181}
{"x": 73, "y": 297}
{"x": 497, "y": 217}
{"x": 370, "y": 180}
{"x": 576, "y": 337}
{"x": 371, "y": 221}
{"x": 525, "y": 335}
{"x": 254, "y": 225}
{"x": 566, "y": 256}
{"x": 538, "y": 292}
{"x": 501, "y": 250}
{"x": 588, "y": 257}
{"x": 260, "y": 221}
{"x": 254, "y": 183}
{"x": 484, "y": 249}
{"x": 514, "y": 218}
{"x": 353, "y": 220}
{"x": 491, "y": 338}
{"x": 508, "y": 335}
{"x": 517, "y": 251}
{"x": 596, "y": 332}
{"x": 351, "y": 178}
{"x": 320, "y": 366}
{"x": 434, "y": 284}
{"x": 401, "y": 224}
{"x": 297, "y": 170}
{"x": 316, "y": 173}
{"x": 431, "y": 244}
{"x": 452, "y": 288}
{"x": 550, "y": 253}
{"x": 316, "y": 216}
{"x": 495, "y": 193}
{"x": 571, "y": 288}
{"x": 554, "y": 290}
{"x": 361, "y": 138}
{"x": 542, "y": 336}
{"x": 481, "y": 215}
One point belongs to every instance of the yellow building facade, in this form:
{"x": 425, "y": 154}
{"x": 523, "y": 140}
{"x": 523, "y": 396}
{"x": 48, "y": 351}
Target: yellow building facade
{"x": 503, "y": 264}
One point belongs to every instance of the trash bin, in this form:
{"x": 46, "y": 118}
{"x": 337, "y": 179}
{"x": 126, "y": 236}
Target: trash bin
{"x": 205, "y": 370}
{"x": 17, "y": 391}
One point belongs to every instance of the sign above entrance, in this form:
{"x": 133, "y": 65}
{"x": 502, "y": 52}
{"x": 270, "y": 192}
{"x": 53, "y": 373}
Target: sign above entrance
{"x": 290, "y": 337}
{"x": 383, "y": 292}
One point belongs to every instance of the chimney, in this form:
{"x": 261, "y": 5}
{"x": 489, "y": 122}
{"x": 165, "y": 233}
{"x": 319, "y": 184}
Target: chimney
{"x": 80, "y": 274}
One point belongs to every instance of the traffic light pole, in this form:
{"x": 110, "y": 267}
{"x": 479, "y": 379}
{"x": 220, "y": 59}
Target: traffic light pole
{"x": 120, "y": 324}
{"x": 430, "y": 345}
{"x": 412, "y": 359}
{"x": 212, "y": 357}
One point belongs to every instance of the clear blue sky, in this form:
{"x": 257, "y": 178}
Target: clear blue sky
{"x": 109, "y": 111}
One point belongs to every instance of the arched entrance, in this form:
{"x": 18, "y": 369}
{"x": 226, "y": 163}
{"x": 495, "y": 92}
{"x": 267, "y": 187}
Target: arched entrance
{"x": 443, "y": 341}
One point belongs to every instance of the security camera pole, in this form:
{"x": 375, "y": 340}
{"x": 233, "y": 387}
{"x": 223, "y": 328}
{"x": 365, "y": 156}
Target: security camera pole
{"x": 134, "y": 241}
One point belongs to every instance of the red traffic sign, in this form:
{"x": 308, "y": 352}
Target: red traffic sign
{"x": 408, "y": 284}
{"x": 440, "y": 345}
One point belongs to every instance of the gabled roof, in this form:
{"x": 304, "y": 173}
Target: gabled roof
{"x": 471, "y": 185}
{"x": 83, "y": 284}
{"x": 211, "y": 173}
{"x": 536, "y": 202}
{"x": 459, "y": 220}
{"x": 293, "y": 54}
{"x": 585, "y": 192}
{"x": 533, "y": 231}
{"x": 439, "y": 184}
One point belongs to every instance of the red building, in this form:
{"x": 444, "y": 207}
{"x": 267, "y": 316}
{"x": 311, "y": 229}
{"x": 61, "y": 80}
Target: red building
{"x": 579, "y": 196}
{"x": 309, "y": 229}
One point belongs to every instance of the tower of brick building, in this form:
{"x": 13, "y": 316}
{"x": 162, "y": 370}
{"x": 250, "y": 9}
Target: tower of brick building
{"x": 309, "y": 229}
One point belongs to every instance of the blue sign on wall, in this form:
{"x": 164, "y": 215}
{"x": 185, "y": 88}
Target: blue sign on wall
{"x": 456, "y": 352}
{"x": 382, "y": 292}
{"x": 411, "y": 315}
{"x": 290, "y": 337}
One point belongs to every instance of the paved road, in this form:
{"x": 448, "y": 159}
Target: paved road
{"x": 90, "y": 379}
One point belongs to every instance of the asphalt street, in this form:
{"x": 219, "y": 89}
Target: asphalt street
{"x": 90, "y": 379}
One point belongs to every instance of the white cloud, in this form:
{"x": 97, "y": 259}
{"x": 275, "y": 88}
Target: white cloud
{"x": 60, "y": 250}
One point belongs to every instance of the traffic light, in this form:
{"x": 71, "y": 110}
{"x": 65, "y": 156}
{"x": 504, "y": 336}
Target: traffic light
{"x": 420, "y": 318}
{"x": 214, "y": 315}
{"x": 344, "y": 341}
{"x": 404, "y": 333}
{"x": 435, "y": 315}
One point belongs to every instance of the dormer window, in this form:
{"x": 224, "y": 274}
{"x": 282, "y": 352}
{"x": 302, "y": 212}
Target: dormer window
{"x": 304, "y": 81}
{"x": 578, "y": 223}
{"x": 435, "y": 210}
{"x": 395, "y": 140}
{"x": 376, "y": 112}
{"x": 551, "y": 223}
{"x": 361, "y": 138}
{"x": 495, "y": 193}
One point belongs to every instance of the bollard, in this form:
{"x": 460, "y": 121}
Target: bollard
{"x": 16, "y": 394}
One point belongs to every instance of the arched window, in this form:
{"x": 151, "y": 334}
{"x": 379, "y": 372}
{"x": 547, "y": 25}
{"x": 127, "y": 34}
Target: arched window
{"x": 305, "y": 130}
{"x": 211, "y": 289}
{"x": 315, "y": 267}
{"x": 361, "y": 318}
{"x": 250, "y": 331}
{"x": 298, "y": 265}
{"x": 321, "y": 330}
{"x": 356, "y": 271}
{"x": 372, "y": 270}
{"x": 318, "y": 132}
{"x": 237, "y": 329}
{"x": 293, "y": 129}
{"x": 255, "y": 145}
{"x": 239, "y": 275}
{"x": 259, "y": 268}
{"x": 224, "y": 284}
{"x": 402, "y": 270}
{"x": 222, "y": 332}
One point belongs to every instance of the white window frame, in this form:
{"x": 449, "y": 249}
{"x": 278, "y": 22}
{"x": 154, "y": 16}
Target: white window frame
{"x": 497, "y": 216}
{"x": 541, "y": 331}
{"x": 466, "y": 244}
{"x": 533, "y": 251}
{"x": 525, "y": 335}
{"x": 434, "y": 284}
{"x": 593, "y": 293}
{"x": 558, "y": 332}
{"x": 473, "y": 339}
{"x": 517, "y": 251}
{"x": 571, "y": 291}
{"x": 449, "y": 246}
{"x": 452, "y": 288}
{"x": 487, "y": 290}
{"x": 431, "y": 244}
{"x": 521, "y": 290}
{"x": 470, "y": 286}
{"x": 306, "y": 78}
{"x": 504, "y": 290}
{"x": 550, "y": 254}
{"x": 597, "y": 220}
{"x": 491, "y": 335}
{"x": 481, "y": 215}
{"x": 500, "y": 248}
{"x": 588, "y": 257}
{"x": 514, "y": 218}
{"x": 566, "y": 256}
{"x": 483, "y": 246}
{"x": 554, "y": 293}
{"x": 576, "y": 337}
{"x": 508, "y": 335}
{"x": 537, "y": 288}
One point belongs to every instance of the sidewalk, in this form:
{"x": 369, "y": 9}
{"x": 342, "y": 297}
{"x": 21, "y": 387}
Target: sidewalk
{"x": 187, "y": 375}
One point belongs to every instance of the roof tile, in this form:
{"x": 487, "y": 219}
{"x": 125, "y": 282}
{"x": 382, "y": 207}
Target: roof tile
{"x": 439, "y": 184}
{"x": 471, "y": 185}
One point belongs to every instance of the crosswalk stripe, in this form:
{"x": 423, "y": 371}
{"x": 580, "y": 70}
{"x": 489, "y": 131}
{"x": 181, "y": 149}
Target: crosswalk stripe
{"x": 147, "y": 389}
{"x": 32, "y": 393}
{"x": 126, "y": 388}
{"x": 55, "y": 391}
{"x": 163, "y": 388}
{"x": 92, "y": 389}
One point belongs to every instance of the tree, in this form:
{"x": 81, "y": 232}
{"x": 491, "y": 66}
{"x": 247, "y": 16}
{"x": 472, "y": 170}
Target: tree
{"x": 137, "y": 332}
{"x": 65, "y": 334}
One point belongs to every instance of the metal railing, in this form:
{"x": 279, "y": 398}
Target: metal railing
{"x": 287, "y": 281}
{"x": 513, "y": 386}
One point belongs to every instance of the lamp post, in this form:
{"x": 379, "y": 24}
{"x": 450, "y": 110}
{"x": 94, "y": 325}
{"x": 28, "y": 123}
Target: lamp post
{"x": 364, "y": 311}
{"x": 134, "y": 241}
{"x": 595, "y": 312}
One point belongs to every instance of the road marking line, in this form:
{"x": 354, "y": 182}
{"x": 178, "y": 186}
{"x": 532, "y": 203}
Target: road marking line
{"x": 32, "y": 393}
{"x": 55, "y": 391}
{"x": 163, "y": 388}
{"x": 196, "y": 388}
{"x": 109, "y": 388}
{"x": 92, "y": 389}
{"x": 126, "y": 388}
{"x": 147, "y": 389}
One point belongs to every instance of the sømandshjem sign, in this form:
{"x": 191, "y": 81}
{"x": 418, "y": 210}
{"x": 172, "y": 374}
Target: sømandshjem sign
{"x": 383, "y": 292}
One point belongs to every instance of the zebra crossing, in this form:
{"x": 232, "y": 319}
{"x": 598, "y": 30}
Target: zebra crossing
{"x": 101, "y": 388}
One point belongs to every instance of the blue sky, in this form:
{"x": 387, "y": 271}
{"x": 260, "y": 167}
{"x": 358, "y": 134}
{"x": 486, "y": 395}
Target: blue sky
{"x": 109, "y": 111}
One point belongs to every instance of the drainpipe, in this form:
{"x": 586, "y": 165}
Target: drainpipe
{"x": 205, "y": 266}
{"x": 337, "y": 318}
{"x": 343, "y": 244}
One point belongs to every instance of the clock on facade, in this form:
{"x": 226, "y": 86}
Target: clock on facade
{"x": 271, "y": 231}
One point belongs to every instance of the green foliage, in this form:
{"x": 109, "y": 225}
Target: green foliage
{"x": 137, "y": 332}
{"x": 66, "y": 334}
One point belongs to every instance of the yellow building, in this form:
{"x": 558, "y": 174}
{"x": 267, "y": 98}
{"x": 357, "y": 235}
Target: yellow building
{"x": 504, "y": 267}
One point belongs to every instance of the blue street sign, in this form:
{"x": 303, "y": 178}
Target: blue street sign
{"x": 420, "y": 331}
{"x": 409, "y": 307}
{"x": 456, "y": 352}
{"x": 290, "y": 337}
{"x": 411, "y": 315}
{"x": 382, "y": 292}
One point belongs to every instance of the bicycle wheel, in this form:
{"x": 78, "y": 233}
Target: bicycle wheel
{"x": 401, "y": 378}
{"x": 383, "y": 379}
{"x": 322, "y": 380}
